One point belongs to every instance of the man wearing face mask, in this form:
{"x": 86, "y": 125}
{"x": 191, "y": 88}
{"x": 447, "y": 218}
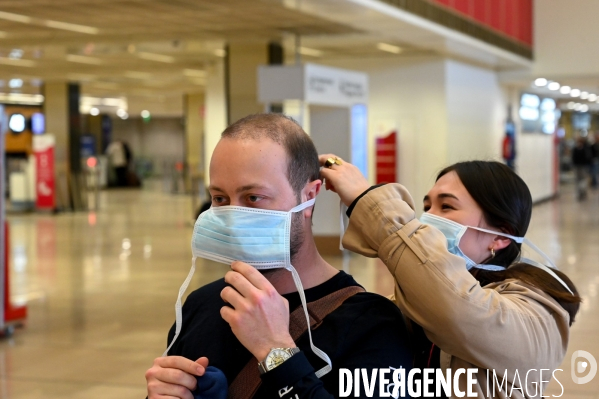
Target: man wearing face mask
{"x": 264, "y": 178}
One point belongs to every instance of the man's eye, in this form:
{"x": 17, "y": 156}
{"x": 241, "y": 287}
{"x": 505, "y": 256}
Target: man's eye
{"x": 218, "y": 200}
{"x": 426, "y": 208}
{"x": 254, "y": 198}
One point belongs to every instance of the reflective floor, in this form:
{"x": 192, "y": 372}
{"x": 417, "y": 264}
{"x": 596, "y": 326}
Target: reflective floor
{"x": 100, "y": 289}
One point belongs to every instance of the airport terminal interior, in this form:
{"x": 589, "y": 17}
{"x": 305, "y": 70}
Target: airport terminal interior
{"x": 111, "y": 111}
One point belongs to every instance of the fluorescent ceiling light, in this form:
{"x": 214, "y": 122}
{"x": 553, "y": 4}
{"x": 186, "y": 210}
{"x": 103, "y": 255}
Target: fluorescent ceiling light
{"x": 553, "y": 86}
{"x": 194, "y": 73}
{"x": 575, "y": 92}
{"x": 21, "y": 98}
{"x": 90, "y": 30}
{"x": 156, "y": 57}
{"x": 310, "y": 52}
{"x": 16, "y": 62}
{"x": 82, "y": 59}
{"x": 9, "y": 16}
{"x": 540, "y": 82}
{"x": 389, "y": 48}
{"x": 565, "y": 89}
{"x": 138, "y": 75}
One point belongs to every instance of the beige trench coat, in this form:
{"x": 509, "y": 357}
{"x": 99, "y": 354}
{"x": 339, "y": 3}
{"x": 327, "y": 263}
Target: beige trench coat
{"x": 507, "y": 326}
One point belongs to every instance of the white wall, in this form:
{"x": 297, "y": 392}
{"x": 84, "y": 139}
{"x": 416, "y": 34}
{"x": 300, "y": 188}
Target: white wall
{"x": 476, "y": 113}
{"x": 565, "y": 38}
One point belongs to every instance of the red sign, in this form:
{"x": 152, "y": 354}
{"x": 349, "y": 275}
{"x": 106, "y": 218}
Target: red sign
{"x": 386, "y": 159}
{"x": 45, "y": 187}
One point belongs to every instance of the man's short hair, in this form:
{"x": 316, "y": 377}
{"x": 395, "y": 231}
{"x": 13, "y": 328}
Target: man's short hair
{"x": 303, "y": 166}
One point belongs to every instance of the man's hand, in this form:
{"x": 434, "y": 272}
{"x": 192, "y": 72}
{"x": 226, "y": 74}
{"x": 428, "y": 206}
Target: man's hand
{"x": 174, "y": 377}
{"x": 259, "y": 316}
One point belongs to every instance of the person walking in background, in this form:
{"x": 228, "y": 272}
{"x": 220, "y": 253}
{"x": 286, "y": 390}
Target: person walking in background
{"x": 581, "y": 159}
{"x": 117, "y": 157}
{"x": 595, "y": 162}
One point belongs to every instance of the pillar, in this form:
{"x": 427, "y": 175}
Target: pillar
{"x": 194, "y": 132}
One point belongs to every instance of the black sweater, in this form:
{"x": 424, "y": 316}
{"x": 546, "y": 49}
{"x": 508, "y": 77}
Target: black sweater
{"x": 366, "y": 331}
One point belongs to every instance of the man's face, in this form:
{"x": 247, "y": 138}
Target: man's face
{"x": 250, "y": 173}
{"x": 253, "y": 173}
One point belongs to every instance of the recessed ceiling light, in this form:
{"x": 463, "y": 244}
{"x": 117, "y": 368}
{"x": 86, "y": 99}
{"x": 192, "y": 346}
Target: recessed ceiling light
{"x": 584, "y": 95}
{"x": 553, "y": 86}
{"x": 15, "y": 83}
{"x": 571, "y": 105}
{"x": 575, "y": 92}
{"x": 145, "y": 113}
{"x": 592, "y": 97}
{"x": 584, "y": 108}
{"x": 540, "y": 82}
{"x": 94, "y": 111}
{"x": 389, "y": 48}
{"x": 565, "y": 89}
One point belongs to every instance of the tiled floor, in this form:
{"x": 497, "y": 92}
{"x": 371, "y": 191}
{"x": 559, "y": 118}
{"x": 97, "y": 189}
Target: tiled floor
{"x": 100, "y": 289}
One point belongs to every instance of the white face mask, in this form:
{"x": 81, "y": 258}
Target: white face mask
{"x": 454, "y": 232}
{"x": 258, "y": 237}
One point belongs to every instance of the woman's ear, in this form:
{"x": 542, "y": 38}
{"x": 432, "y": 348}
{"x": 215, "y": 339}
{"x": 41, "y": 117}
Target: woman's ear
{"x": 500, "y": 242}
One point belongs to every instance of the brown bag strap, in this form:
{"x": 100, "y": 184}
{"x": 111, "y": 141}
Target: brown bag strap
{"x": 247, "y": 382}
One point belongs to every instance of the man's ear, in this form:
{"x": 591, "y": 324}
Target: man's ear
{"x": 310, "y": 191}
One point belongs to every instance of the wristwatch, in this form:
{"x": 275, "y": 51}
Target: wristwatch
{"x": 276, "y": 357}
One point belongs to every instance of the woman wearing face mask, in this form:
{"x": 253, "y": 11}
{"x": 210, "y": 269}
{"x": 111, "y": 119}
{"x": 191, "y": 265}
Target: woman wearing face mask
{"x": 459, "y": 275}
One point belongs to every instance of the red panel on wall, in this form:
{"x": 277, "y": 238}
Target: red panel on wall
{"x": 510, "y": 17}
{"x": 462, "y": 6}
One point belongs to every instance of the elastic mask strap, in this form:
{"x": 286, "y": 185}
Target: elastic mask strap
{"x": 519, "y": 240}
{"x": 300, "y": 289}
{"x": 303, "y": 205}
{"x": 342, "y": 210}
{"x": 178, "y": 311}
{"x": 546, "y": 269}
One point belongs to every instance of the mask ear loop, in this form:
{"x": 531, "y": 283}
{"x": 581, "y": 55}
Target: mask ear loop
{"x": 547, "y": 270}
{"x": 178, "y": 310}
{"x": 342, "y": 210}
{"x": 300, "y": 289}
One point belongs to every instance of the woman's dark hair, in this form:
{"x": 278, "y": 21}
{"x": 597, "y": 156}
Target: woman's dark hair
{"x": 506, "y": 204}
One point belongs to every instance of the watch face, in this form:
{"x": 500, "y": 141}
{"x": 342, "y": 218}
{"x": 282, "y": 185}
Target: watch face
{"x": 275, "y": 358}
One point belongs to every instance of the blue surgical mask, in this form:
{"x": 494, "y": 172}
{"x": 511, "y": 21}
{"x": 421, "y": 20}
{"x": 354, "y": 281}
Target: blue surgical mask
{"x": 258, "y": 237}
{"x": 454, "y": 232}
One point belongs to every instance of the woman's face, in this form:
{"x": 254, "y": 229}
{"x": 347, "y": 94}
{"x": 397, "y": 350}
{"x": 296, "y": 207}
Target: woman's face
{"x": 449, "y": 199}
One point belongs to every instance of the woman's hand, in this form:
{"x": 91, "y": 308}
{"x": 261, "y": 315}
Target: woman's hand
{"x": 346, "y": 179}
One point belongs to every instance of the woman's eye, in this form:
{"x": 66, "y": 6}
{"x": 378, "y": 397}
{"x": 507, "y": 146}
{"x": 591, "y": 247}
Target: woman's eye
{"x": 445, "y": 206}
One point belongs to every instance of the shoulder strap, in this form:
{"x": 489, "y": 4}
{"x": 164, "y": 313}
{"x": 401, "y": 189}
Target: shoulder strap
{"x": 247, "y": 382}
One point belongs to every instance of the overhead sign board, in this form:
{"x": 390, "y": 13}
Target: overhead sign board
{"x": 314, "y": 84}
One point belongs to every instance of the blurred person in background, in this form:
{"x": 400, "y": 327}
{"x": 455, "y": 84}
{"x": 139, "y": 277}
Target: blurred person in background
{"x": 582, "y": 158}
{"x": 595, "y": 162}
{"x": 117, "y": 156}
